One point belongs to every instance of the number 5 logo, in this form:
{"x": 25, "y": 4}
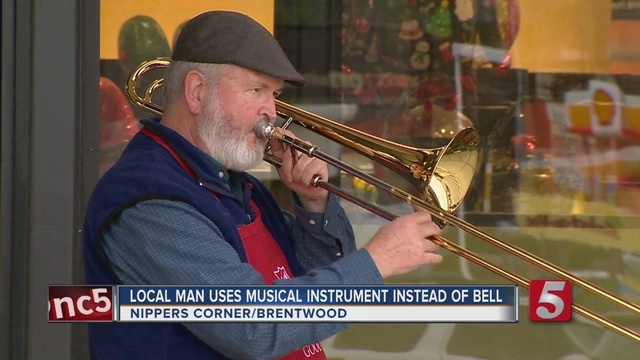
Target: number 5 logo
{"x": 550, "y": 300}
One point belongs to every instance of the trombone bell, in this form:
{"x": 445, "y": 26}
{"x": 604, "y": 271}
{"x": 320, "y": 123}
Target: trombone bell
{"x": 442, "y": 176}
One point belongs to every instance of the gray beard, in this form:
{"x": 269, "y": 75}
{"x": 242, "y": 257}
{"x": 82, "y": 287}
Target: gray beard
{"x": 226, "y": 142}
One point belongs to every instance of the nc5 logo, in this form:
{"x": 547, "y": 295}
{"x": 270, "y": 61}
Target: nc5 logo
{"x": 550, "y": 300}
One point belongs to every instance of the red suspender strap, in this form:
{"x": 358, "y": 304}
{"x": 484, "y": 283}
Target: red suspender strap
{"x": 162, "y": 143}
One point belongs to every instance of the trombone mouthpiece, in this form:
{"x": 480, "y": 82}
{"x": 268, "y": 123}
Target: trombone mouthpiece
{"x": 266, "y": 130}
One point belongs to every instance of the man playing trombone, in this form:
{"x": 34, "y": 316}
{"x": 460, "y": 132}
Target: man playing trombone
{"x": 180, "y": 208}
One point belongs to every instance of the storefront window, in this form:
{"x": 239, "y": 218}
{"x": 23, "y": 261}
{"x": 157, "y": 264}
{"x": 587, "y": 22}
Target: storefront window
{"x": 552, "y": 88}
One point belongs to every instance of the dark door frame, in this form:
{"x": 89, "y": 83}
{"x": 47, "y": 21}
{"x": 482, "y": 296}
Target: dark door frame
{"x": 50, "y": 111}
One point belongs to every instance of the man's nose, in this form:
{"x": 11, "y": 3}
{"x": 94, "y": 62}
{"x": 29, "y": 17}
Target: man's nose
{"x": 269, "y": 110}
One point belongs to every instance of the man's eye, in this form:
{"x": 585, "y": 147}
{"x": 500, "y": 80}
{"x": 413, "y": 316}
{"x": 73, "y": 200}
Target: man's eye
{"x": 256, "y": 90}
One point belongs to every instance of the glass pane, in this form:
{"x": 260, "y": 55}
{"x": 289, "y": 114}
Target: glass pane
{"x": 555, "y": 104}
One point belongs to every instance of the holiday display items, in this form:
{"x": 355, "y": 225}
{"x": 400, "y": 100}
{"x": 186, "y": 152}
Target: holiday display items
{"x": 410, "y": 30}
{"x": 420, "y": 59}
{"x": 141, "y": 38}
{"x": 439, "y": 26}
{"x": 464, "y": 10}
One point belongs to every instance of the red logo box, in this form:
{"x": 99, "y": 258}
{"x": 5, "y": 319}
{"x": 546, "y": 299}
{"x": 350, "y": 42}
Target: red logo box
{"x": 550, "y": 300}
{"x": 69, "y": 303}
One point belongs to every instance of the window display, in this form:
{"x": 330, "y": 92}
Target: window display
{"x": 417, "y": 72}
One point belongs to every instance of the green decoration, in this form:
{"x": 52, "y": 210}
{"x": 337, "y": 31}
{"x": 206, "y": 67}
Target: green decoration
{"x": 141, "y": 38}
{"x": 440, "y": 23}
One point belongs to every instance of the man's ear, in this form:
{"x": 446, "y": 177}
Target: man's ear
{"x": 194, "y": 88}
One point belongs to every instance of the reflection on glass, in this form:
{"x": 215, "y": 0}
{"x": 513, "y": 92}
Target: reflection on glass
{"x": 139, "y": 38}
{"x": 117, "y": 123}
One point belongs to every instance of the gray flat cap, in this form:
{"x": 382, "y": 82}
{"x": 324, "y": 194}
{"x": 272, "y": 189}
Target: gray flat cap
{"x": 226, "y": 37}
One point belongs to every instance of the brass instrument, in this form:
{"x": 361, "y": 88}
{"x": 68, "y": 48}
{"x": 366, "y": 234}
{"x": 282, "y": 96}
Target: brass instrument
{"x": 441, "y": 175}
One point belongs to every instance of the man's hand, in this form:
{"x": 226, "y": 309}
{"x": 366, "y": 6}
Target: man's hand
{"x": 297, "y": 172}
{"x": 403, "y": 245}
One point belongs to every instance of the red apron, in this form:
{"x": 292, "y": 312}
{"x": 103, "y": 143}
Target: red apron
{"x": 263, "y": 254}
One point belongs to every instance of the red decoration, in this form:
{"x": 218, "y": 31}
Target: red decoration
{"x": 523, "y": 144}
{"x": 117, "y": 122}
{"x": 363, "y": 26}
{"x": 446, "y": 52}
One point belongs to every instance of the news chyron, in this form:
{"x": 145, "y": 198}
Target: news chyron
{"x": 549, "y": 301}
{"x": 276, "y": 303}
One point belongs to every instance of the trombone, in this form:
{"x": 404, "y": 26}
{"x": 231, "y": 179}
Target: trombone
{"x": 442, "y": 176}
